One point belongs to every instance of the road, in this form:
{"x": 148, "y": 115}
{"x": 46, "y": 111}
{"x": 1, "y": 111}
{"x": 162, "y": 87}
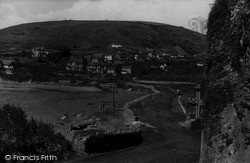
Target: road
{"x": 171, "y": 143}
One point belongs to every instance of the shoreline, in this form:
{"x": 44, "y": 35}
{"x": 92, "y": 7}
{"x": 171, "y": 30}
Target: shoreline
{"x": 26, "y": 86}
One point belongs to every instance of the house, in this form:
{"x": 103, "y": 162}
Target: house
{"x": 39, "y": 52}
{"x": 94, "y": 67}
{"x": 110, "y": 70}
{"x": 116, "y": 46}
{"x": 200, "y": 64}
{"x": 150, "y": 55}
{"x": 181, "y": 52}
{"x": 75, "y": 65}
{"x": 165, "y": 54}
{"x": 97, "y": 57}
{"x": 126, "y": 70}
{"x": 108, "y": 57}
{"x": 136, "y": 57}
{"x": 8, "y": 66}
{"x": 164, "y": 67}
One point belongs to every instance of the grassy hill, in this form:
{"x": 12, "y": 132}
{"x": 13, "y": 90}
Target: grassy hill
{"x": 84, "y": 35}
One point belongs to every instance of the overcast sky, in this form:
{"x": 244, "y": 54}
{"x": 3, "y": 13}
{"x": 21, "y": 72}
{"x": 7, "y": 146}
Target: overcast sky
{"x": 174, "y": 12}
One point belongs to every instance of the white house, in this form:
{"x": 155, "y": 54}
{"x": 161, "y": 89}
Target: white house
{"x": 200, "y": 64}
{"x": 8, "y": 66}
{"x": 136, "y": 57}
{"x": 116, "y": 46}
{"x": 108, "y": 57}
{"x": 126, "y": 70}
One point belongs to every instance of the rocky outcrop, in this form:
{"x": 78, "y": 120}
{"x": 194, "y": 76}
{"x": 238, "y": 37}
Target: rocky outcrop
{"x": 226, "y": 112}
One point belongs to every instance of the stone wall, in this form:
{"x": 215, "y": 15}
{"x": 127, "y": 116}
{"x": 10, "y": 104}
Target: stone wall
{"x": 226, "y": 114}
{"x": 128, "y": 113}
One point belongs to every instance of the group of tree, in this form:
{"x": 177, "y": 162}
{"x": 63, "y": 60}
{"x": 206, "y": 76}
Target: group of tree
{"x": 27, "y": 136}
{"x": 58, "y": 56}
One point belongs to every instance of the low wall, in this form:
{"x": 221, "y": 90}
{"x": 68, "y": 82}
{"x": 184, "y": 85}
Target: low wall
{"x": 163, "y": 82}
{"x": 128, "y": 113}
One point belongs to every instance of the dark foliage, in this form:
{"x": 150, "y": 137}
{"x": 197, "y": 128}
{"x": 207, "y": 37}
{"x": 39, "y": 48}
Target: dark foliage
{"x": 28, "y": 136}
{"x": 56, "y": 57}
{"x": 42, "y": 72}
{"x": 228, "y": 45}
{"x": 107, "y": 142}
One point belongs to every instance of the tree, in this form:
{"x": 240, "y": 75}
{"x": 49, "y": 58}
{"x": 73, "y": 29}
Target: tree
{"x": 66, "y": 53}
{"x": 29, "y": 136}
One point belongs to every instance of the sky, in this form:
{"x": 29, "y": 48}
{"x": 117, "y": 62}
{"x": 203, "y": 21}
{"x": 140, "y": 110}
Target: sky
{"x": 173, "y": 12}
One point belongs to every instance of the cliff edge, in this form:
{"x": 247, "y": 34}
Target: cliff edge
{"x": 226, "y": 112}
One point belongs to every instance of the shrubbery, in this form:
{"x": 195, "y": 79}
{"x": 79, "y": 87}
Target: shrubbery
{"x": 106, "y": 142}
{"x": 29, "y": 136}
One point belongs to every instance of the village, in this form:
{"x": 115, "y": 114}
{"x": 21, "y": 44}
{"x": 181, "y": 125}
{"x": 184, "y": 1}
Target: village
{"x": 72, "y": 66}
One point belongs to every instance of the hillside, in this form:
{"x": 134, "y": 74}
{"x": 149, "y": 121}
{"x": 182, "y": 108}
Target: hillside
{"x": 86, "y": 35}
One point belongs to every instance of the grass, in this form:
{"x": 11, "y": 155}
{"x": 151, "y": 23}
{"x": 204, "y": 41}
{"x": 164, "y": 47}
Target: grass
{"x": 84, "y": 35}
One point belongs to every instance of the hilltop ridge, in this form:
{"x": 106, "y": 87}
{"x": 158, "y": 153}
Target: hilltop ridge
{"x": 84, "y": 35}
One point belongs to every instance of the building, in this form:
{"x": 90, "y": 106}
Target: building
{"x": 110, "y": 70}
{"x": 75, "y": 65}
{"x": 126, "y": 70}
{"x": 97, "y": 57}
{"x": 164, "y": 67}
{"x": 108, "y": 57}
{"x": 181, "y": 53}
{"x": 193, "y": 107}
{"x": 8, "y": 66}
{"x": 39, "y": 52}
{"x": 136, "y": 56}
{"x": 116, "y": 46}
{"x": 200, "y": 64}
{"x": 97, "y": 68}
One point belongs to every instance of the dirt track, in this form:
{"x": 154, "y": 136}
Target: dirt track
{"x": 171, "y": 144}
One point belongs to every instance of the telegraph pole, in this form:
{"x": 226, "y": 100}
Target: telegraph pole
{"x": 114, "y": 97}
{"x": 114, "y": 92}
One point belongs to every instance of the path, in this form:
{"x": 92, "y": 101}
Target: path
{"x": 172, "y": 143}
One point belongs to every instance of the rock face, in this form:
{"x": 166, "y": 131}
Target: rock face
{"x": 226, "y": 112}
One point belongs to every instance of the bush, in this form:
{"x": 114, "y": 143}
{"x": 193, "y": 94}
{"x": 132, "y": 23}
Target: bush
{"x": 106, "y": 142}
{"x": 29, "y": 136}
